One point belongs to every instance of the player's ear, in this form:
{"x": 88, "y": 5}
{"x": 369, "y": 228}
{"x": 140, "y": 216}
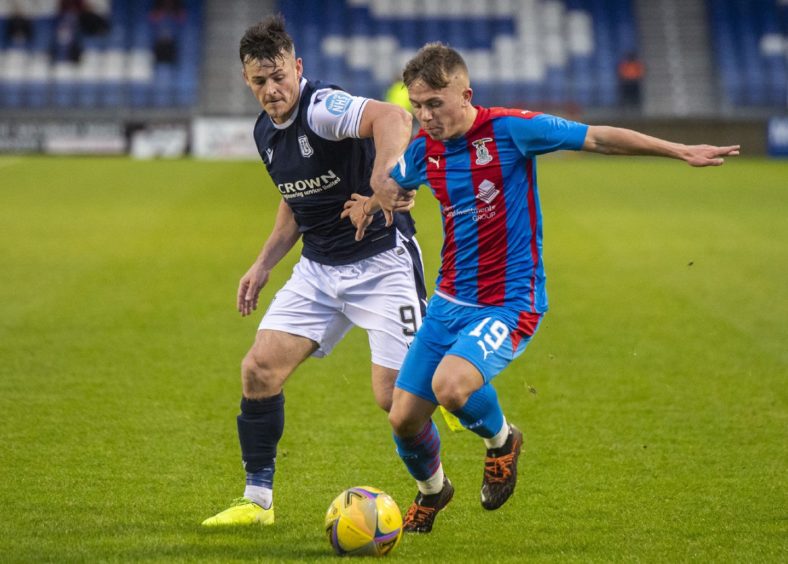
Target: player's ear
{"x": 467, "y": 96}
{"x": 299, "y": 65}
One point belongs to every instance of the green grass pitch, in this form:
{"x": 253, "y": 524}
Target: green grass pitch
{"x": 658, "y": 432}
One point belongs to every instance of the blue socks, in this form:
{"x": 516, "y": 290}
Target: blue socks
{"x": 262, "y": 478}
{"x": 421, "y": 454}
{"x": 482, "y": 413}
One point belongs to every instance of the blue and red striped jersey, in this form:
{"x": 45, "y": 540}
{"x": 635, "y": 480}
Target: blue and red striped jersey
{"x": 485, "y": 182}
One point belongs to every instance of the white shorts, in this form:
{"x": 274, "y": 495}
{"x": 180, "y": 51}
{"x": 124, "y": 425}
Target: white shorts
{"x": 383, "y": 294}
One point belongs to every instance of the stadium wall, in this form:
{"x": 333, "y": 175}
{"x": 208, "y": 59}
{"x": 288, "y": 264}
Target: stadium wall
{"x": 231, "y": 137}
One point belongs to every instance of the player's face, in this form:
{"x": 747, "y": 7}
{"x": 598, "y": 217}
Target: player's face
{"x": 445, "y": 113}
{"x": 275, "y": 84}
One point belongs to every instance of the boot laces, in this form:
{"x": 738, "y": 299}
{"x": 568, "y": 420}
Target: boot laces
{"x": 498, "y": 469}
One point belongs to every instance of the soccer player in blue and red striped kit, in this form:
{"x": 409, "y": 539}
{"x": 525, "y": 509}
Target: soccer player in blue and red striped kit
{"x": 490, "y": 297}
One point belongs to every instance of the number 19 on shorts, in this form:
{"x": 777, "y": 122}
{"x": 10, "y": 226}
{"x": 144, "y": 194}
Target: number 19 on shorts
{"x": 492, "y": 335}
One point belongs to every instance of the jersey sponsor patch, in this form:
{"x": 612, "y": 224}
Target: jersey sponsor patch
{"x": 338, "y": 103}
{"x": 309, "y": 186}
{"x": 487, "y": 191}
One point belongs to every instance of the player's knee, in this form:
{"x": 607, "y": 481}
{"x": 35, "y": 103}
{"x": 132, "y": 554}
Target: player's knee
{"x": 259, "y": 377}
{"x": 449, "y": 394}
{"x": 403, "y": 425}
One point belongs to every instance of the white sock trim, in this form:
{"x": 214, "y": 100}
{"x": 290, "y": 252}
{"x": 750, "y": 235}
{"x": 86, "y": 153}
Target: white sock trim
{"x": 264, "y": 497}
{"x": 500, "y": 437}
{"x": 433, "y": 484}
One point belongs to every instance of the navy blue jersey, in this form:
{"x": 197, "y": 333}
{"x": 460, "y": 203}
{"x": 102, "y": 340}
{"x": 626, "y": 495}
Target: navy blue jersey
{"x": 317, "y": 161}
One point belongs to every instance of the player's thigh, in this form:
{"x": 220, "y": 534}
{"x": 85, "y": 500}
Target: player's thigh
{"x": 426, "y": 352}
{"x": 280, "y": 351}
{"x": 298, "y": 309}
{"x": 271, "y": 360}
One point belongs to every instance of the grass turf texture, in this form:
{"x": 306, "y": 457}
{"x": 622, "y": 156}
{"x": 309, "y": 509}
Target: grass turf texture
{"x": 658, "y": 432}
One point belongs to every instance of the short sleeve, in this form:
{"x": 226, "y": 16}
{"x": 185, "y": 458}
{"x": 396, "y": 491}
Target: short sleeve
{"x": 544, "y": 133}
{"x": 409, "y": 172}
{"x": 334, "y": 114}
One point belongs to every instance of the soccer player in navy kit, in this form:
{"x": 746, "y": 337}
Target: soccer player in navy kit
{"x": 320, "y": 145}
{"x": 490, "y": 296}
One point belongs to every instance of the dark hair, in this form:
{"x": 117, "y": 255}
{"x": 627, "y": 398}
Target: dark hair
{"x": 434, "y": 64}
{"x": 266, "y": 40}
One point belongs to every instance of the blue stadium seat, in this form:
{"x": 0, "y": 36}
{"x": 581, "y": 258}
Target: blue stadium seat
{"x": 37, "y": 94}
{"x": 91, "y": 87}
{"x": 64, "y": 94}
{"x": 139, "y": 95}
{"x": 163, "y": 86}
{"x": 112, "y": 95}
{"x": 13, "y": 94}
{"x": 751, "y": 75}
{"x": 582, "y": 78}
{"x": 89, "y": 95}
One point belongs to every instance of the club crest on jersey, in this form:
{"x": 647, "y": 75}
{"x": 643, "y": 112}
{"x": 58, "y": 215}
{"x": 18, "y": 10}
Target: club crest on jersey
{"x": 269, "y": 152}
{"x": 306, "y": 148}
{"x": 483, "y": 155}
{"x": 487, "y": 191}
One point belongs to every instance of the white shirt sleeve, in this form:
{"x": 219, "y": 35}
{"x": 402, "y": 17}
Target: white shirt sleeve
{"x": 335, "y": 114}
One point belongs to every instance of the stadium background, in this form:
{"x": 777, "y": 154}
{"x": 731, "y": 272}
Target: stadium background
{"x": 657, "y": 430}
{"x": 153, "y": 76}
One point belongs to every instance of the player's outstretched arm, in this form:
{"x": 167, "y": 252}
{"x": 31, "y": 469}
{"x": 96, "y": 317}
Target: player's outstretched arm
{"x": 390, "y": 128}
{"x": 619, "y": 141}
{"x": 282, "y": 238}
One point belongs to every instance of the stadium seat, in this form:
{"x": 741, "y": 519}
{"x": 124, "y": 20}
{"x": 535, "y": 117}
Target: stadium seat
{"x": 561, "y": 52}
{"x": 110, "y": 71}
{"x": 749, "y": 39}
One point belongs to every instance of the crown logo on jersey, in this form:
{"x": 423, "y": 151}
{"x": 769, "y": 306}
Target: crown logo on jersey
{"x": 487, "y": 191}
{"x": 483, "y": 155}
{"x": 306, "y": 148}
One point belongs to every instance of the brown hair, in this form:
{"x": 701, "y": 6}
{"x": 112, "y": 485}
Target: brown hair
{"x": 434, "y": 64}
{"x": 266, "y": 40}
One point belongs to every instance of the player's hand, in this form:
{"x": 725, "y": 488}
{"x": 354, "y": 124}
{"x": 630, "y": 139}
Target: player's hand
{"x": 400, "y": 206}
{"x": 354, "y": 210}
{"x": 249, "y": 288}
{"x": 393, "y": 198}
{"x": 709, "y": 155}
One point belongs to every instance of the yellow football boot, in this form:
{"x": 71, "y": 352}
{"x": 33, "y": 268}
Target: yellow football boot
{"x": 242, "y": 512}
